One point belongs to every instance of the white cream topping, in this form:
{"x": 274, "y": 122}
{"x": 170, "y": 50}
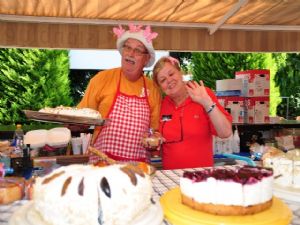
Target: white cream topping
{"x": 206, "y": 197}
{"x": 252, "y": 194}
{"x": 72, "y": 111}
{"x": 296, "y": 174}
{"x": 267, "y": 188}
{"x": 229, "y": 193}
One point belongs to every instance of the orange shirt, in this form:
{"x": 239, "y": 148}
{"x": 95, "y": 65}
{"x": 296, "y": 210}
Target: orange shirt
{"x": 102, "y": 89}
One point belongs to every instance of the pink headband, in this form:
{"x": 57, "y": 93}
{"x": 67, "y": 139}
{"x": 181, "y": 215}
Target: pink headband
{"x": 147, "y": 33}
{"x": 173, "y": 61}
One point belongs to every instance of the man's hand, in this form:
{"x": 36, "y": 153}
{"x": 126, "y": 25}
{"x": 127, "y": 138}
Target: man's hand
{"x": 78, "y": 128}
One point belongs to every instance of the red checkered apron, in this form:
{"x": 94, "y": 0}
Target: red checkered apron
{"x": 129, "y": 118}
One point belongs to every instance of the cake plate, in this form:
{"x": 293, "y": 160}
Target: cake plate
{"x": 178, "y": 214}
{"x": 27, "y": 215}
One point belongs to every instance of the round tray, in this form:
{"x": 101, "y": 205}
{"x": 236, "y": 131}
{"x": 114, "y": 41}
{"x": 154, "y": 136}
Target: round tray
{"x": 179, "y": 214}
{"x": 60, "y": 118}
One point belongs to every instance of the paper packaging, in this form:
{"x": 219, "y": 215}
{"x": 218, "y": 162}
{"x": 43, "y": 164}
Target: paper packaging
{"x": 256, "y": 82}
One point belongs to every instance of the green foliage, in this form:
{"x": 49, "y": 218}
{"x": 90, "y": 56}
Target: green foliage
{"x": 273, "y": 62}
{"x": 184, "y": 59}
{"x": 79, "y": 80}
{"x": 210, "y": 67}
{"x": 32, "y": 79}
{"x": 287, "y": 79}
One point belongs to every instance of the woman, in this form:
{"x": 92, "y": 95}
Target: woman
{"x": 190, "y": 116}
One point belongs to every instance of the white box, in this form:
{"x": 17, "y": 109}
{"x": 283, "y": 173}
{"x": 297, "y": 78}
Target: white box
{"x": 256, "y": 82}
{"x": 229, "y": 85}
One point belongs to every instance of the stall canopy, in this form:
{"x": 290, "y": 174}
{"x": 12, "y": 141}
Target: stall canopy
{"x": 183, "y": 25}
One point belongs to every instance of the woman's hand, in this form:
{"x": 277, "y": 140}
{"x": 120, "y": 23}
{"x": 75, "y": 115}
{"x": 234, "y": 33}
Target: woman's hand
{"x": 152, "y": 142}
{"x": 198, "y": 93}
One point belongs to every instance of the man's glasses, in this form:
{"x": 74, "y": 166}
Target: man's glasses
{"x": 181, "y": 133}
{"x": 136, "y": 51}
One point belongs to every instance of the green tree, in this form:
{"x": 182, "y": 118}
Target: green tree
{"x": 184, "y": 59}
{"x": 79, "y": 80}
{"x": 32, "y": 79}
{"x": 287, "y": 79}
{"x": 210, "y": 67}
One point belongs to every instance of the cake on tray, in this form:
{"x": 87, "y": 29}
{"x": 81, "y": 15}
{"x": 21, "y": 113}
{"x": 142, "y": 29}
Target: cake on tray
{"x": 235, "y": 190}
{"x": 72, "y": 111}
{"x": 85, "y": 194}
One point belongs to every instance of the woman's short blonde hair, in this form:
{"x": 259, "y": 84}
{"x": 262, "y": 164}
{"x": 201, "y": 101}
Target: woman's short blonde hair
{"x": 161, "y": 63}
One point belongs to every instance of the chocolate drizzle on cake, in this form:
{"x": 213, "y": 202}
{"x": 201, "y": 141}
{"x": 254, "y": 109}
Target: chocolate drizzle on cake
{"x": 81, "y": 187}
{"x": 104, "y": 185}
{"x": 65, "y": 186}
{"x": 131, "y": 171}
{"x": 47, "y": 180}
{"x": 152, "y": 201}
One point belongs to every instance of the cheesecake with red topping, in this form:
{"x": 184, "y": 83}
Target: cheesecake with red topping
{"x": 239, "y": 190}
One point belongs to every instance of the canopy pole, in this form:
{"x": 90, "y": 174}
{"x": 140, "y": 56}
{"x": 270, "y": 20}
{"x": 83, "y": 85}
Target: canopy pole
{"x": 229, "y": 14}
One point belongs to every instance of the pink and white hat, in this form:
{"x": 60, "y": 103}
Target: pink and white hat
{"x": 136, "y": 32}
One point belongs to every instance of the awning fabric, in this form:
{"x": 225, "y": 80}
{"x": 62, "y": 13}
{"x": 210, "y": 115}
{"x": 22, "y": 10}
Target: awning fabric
{"x": 183, "y": 25}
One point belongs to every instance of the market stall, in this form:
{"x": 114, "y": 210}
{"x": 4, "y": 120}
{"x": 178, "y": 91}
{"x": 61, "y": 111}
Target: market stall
{"x": 238, "y": 26}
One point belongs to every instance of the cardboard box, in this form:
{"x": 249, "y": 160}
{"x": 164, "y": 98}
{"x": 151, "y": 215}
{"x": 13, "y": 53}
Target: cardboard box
{"x": 236, "y": 107}
{"x": 255, "y": 82}
{"x": 257, "y": 110}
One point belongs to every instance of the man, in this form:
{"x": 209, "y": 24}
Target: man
{"x": 126, "y": 97}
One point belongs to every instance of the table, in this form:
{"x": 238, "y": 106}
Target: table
{"x": 163, "y": 181}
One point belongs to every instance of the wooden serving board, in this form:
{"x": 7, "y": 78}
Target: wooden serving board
{"x": 59, "y": 118}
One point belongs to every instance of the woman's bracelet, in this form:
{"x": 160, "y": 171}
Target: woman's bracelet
{"x": 211, "y": 108}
